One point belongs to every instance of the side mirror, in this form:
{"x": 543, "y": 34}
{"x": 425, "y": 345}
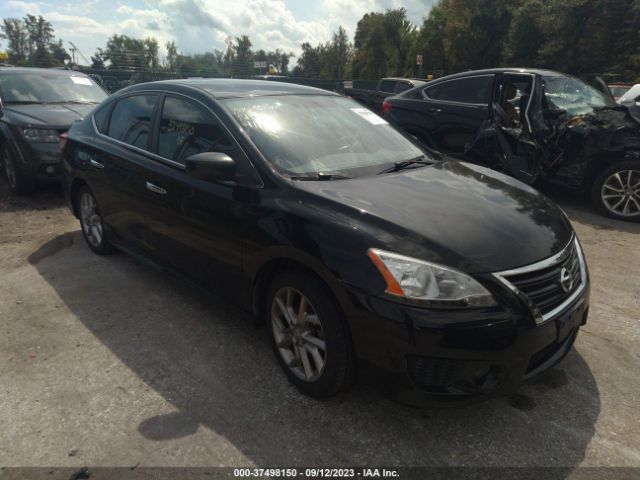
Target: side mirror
{"x": 211, "y": 166}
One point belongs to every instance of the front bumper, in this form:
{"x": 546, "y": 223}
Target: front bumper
{"x": 41, "y": 161}
{"x": 425, "y": 357}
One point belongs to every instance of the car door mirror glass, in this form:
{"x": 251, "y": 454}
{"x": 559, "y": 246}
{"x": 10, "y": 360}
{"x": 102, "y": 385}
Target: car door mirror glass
{"x": 211, "y": 166}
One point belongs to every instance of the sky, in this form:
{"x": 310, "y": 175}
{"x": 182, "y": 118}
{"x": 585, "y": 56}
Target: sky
{"x": 198, "y": 26}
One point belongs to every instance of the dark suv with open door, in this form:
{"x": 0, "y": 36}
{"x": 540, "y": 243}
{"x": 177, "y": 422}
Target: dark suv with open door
{"x": 536, "y": 125}
{"x": 362, "y": 251}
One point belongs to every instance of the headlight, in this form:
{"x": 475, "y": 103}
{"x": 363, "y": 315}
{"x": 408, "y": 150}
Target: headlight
{"x": 415, "y": 279}
{"x": 41, "y": 135}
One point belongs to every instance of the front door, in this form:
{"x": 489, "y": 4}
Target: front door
{"x": 194, "y": 225}
{"x": 517, "y": 111}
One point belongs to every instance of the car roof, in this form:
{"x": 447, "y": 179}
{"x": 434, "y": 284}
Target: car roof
{"x": 404, "y": 79}
{"x": 489, "y": 71}
{"x": 233, "y": 88}
{"x": 50, "y": 71}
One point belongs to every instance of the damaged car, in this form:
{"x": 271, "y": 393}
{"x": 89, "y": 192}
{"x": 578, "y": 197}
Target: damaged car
{"x": 538, "y": 126}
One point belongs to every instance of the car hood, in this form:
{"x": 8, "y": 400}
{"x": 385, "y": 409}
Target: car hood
{"x": 56, "y": 115}
{"x": 453, "y": 212}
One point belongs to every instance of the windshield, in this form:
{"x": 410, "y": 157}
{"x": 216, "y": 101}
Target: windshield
{"x": 43, "y": 87}
{"x": 307, "y": 135}
{"x": 574, "y": 96}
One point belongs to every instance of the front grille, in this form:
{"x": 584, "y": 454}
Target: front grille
{"x": 433, "y": 374}
{"x": 544, "y": 286}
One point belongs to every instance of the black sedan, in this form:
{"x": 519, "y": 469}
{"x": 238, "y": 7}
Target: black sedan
{"x": 36, "y": 106}
{"x": 537, "y": 125}
{"x": 360, "y": 250}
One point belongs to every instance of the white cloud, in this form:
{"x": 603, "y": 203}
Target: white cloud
{"x": 26, "y": 7}
{"x": 203, "y": 25}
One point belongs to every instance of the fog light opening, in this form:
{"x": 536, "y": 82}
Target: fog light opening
{"x": 50, "y": 170}
{"x": 488, "y": 377}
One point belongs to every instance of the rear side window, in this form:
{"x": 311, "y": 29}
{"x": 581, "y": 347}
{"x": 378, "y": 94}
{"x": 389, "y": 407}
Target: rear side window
{"x": 100, "y": 117}
{"x": 402, "y": 86}
{"x": 387, "y": 86}
{"x": 131, "y": 120}
{"x": 186, "y": 129}
{"x": 474, "y": 90}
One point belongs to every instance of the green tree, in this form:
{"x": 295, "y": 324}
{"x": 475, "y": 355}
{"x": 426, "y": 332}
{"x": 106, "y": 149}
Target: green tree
{"x": 40, "y": 35}
{"x": 525, "y": 36}
{"x": 243, "y": 61}
{"x": 127, "y": 53}
{"x": 308, "y": 64}
{"x": 151, "y": 53}
{"x": 370, "y": 57}
{"x": 400, "y": 37}
{"x": 172, "y": 54}
{"x": 98, "y": 60}
{"x": 15, "y": 32}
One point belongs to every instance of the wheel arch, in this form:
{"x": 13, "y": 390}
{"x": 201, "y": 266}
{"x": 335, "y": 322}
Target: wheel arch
{"x": 598, "y": 166}
{"x": 281, "y": 259}
{"x": 74, "y": 188}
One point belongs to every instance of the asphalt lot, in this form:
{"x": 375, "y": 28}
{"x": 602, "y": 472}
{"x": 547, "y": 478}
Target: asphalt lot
{"x": 108, "y": 361}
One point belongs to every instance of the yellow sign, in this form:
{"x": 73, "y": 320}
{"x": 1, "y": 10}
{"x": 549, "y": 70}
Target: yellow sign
{"x": 4, "y": 57}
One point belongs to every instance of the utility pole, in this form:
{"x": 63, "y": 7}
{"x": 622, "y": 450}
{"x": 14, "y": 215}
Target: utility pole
{"x": 75, "y": 49}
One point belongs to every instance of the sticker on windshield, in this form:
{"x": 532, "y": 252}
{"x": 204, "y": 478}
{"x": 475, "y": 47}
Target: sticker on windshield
{"x": 81, "y": 80}
{"x": 369, "y": 116}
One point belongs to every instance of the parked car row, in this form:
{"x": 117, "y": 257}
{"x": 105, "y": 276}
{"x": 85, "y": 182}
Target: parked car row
{"x": 363, "y": 242}
{"x": 362, "y": 250}
{"x": 539, "y": 126}
{"x": 36, "y": 106}
{"x": 387, "y": 87}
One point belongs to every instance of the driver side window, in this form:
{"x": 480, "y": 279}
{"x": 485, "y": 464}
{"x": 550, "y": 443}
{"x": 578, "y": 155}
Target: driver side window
{"x": 187, "y": 129}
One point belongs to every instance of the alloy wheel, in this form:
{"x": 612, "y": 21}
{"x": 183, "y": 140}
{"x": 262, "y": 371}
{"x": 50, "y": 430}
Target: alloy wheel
{"x": 90, "y": 219}
{"x": 620, "y": 193}
{"x": 298, "y": 333}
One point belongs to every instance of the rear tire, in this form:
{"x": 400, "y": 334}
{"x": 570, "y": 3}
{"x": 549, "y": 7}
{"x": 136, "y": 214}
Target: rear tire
{"x": 309, "y": 335}
{"x": 91, "y": 222}
{"x": 616, "y": 191}
{"x": 20, "y": 183}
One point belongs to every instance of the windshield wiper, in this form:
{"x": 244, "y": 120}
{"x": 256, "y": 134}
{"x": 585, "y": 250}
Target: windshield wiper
{"x": 396, "y": 167}
{"x": 321, "y": 176}
{"x": 81, "y": 102}
{"x": 21, "y": 102}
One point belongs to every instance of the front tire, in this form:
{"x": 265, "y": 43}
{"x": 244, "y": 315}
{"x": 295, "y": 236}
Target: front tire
{"x": 309, "y": 334}
{"x": 91, "y": 222}
{"x": 20, "y": 183}
{"x": 616, "y": 191}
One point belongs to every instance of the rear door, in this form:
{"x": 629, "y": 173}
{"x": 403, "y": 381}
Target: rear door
{"x": 120, "y": 161}
{"x": 452, "y": 111}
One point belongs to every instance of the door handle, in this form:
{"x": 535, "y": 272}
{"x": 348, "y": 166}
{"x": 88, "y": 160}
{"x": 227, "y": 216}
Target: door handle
{"x": 156, "y": 189}
{"x": 435, "y": 110}
{"x": 95, "y": 163}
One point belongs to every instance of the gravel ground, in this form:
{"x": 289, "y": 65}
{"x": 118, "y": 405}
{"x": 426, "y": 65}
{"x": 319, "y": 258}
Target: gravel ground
{"x": 108, "y": 361}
